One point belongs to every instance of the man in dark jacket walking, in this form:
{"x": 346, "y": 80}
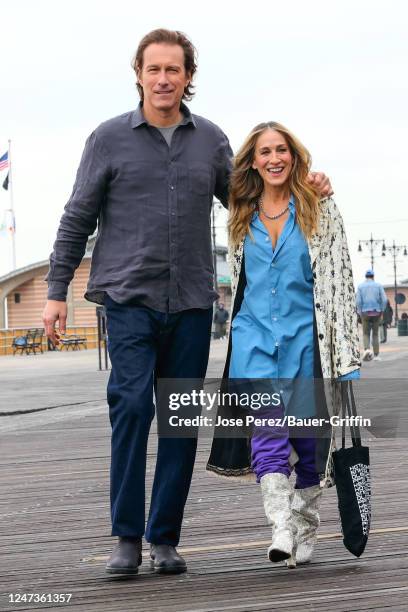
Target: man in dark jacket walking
{"x": 386, "y": 322}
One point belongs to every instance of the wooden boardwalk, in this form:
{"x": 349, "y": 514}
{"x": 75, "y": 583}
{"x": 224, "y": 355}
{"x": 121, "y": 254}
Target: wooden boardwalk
{"x": 54, "y": 526}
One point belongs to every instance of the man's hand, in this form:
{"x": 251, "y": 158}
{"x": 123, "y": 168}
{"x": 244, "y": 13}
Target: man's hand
{"x": 54, "y": 311}
{"x": 321, "y": 183}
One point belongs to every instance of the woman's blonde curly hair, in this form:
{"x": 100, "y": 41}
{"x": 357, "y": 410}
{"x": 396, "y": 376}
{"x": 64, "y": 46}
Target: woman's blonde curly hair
{"x": 247, "y": 185}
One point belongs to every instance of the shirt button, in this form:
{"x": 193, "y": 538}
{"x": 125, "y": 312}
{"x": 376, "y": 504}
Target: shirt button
{"x": 172, "y": 187}
{"x": 321, "y": 336}
{"x": 267, "y": 239}
{"x": 173, "y": 214}
{"x": 276, "y": 343}
{"x": 272, "y": 265}
{"x": 274, "y": 318}
{"x": 273, "y": 291}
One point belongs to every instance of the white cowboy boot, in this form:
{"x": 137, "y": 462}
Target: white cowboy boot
{"x": 305, "y": 516}
{"x": 277, "y": 493}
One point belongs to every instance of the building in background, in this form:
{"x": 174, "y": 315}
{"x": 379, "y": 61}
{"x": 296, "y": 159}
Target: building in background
{"x": 23, "y": 293}
{"x": 402, "y": 290}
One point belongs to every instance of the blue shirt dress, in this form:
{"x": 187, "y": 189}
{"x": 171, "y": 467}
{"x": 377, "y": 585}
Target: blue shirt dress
{"x": 272, "y": 334}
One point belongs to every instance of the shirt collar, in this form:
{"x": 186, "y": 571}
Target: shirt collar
{"x": 138, "y": 118}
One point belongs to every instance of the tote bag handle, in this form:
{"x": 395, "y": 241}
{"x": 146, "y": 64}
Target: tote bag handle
{"x": 348, "y": 406}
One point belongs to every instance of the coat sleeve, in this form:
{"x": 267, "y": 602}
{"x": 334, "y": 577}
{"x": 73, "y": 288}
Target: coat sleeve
{"x": 344, "y": 329}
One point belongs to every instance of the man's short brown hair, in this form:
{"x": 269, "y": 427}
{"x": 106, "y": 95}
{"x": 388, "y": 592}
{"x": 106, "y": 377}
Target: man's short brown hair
{"x": 169, "y": 37}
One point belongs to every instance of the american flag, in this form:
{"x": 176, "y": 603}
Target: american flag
{"x": 4, "y": 161}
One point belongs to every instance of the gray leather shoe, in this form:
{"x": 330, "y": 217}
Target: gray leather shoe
{"x": 126, "y": 557}
{"x": 164, "y": 559}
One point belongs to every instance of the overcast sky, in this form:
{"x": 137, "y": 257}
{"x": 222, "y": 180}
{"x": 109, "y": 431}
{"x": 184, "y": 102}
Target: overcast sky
{"x": 333, "y": 72}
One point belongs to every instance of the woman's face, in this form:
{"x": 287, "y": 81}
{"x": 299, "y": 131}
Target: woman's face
{"x": 272, "y": 158}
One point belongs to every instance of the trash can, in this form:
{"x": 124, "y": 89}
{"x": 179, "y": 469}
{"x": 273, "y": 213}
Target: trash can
{"x": 402, "y": 327}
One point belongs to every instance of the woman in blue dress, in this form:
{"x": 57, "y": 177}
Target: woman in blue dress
{"x": 275, "y": 220}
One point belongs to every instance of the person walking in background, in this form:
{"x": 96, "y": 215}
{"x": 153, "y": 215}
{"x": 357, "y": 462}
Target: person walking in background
{"x": 387, "y": 321}
{"x": 371, "y": 303}
{"x": 220, "y": 319}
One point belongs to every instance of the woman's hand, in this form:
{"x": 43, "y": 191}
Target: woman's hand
{"x": 321, "y": 183}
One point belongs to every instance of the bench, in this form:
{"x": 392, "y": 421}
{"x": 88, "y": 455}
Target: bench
{"x": 29, "y": 343}
{"x": 73, "y": 341}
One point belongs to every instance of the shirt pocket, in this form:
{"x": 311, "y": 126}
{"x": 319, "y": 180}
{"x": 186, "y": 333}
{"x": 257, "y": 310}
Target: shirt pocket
{"x": 136, "y": 181}
{"x": 134, "y": 198}
{"x": 200, "y": 178}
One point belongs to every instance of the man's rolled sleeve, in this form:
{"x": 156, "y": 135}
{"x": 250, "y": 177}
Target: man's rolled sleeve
{"x": 80, "y": 218}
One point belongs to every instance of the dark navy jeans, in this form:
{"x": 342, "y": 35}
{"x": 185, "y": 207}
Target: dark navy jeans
{"x": 145, "y": 345}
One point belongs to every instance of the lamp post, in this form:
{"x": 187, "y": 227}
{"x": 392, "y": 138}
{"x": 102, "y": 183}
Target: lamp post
{"x": 216, "y": 207}
{"x": 371, "y": 244}
{"x": 395, "y": 250}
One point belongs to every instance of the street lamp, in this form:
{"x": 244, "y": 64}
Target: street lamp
{"x": 395, "y": 250}
{"x": 216, "y": 207}
{"x": 371, "y": 244}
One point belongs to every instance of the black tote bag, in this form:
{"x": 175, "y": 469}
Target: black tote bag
{"x": 352, "y": 479}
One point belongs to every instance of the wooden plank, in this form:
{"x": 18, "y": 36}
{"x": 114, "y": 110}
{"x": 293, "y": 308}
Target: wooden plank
{"x": 54, "y": 527}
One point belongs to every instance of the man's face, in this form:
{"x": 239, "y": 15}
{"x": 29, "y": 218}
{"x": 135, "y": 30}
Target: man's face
{"x": 163, "y": 76}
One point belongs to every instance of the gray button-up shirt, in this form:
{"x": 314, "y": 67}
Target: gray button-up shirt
{"x": 152, "y": 205}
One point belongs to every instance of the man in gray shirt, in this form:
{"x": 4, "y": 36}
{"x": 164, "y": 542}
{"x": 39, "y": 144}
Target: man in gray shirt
{"x": 146, "y": 181}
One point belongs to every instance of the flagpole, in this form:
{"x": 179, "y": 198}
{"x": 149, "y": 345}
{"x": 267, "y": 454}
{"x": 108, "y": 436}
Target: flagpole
{"x": 10, "y": 186}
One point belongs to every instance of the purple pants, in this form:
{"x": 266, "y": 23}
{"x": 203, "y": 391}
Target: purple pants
{"x": 271, "y": 448}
